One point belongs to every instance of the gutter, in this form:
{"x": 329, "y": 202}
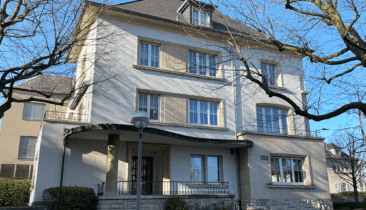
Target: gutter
{"x": 237, "y": 150}
{"x": 62, "y": 165}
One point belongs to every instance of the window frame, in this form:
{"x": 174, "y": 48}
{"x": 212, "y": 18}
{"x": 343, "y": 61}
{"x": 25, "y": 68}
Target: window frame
{"x": 36, "y": 104}
{"x": 148, "y": 105}
{"x": 198, "y": 112}
{"x": 292, "y": 171}
{"x": 264, "y": 128}
{"x": 149, "y": 54}
{"x": 35, "y": 143}
{"x": 267, "y": 79}
{"x": 198, "y": 21}
{"x": 205, "y": 170}
{"x": 207, "y": 65}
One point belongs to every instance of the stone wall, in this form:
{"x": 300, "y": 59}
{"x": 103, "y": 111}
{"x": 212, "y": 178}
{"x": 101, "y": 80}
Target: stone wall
{"x": 287, "y": 204}
{"x": 195, "y": 202}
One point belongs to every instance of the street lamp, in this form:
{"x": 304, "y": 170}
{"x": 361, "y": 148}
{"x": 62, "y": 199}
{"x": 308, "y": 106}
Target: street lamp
{"x": 140, "y": 119}
{"x": 323, "y": 129}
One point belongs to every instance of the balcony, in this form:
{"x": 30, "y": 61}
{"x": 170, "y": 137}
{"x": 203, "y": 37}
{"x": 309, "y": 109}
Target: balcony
{"x": 169, "y": 188}
{"x": 278, "y": 131}
{"x": 64, "y": 116}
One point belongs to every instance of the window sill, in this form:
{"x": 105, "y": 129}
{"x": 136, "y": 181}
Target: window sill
{"x": 291, "y": 186}
{"x": 178, "y": 73}
{"x": 276, "y": 87}
{"x": 189, "y": 126}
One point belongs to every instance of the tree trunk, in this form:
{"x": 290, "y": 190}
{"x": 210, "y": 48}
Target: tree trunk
{"x": 355, "y": 191}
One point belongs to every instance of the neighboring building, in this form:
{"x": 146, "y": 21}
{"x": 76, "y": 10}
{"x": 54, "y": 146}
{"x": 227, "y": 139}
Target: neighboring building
{"x": 21, "y": 123}
{"x": 336, "y": 183}
{"x": 214, "y": 148}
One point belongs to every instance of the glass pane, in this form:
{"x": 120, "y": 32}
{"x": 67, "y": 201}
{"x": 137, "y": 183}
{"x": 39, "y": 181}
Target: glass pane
{"x": 268, "y": 120}
{"x": 202, "y": 64}
{"x": 213, "y": 114}
{"x": 144, "y": 50}
{"x": 275, "y": 170}
{"x": 195, "y": 18}
{"x": 271, "y": 74}
{"x": 259, "y": 120}
{"x": 286, "y": 169}
{"x": 192, "y": 62}
{"x": 193, "y": 112}
{"x": 284, "y": 121}
{"x": 212, "y": 61}
{"x": 154, "y": 107}
{"x": 143, "y": 102}
{"x": 264, "y": 73}
{"x": 276, "y": 122}
{"x": 196, "y": 168}
{"x": 213, "y": 169}
{"x": 298, "y": 170}
{"x": 155, "y": 56}
{"x": 203, "y": 113}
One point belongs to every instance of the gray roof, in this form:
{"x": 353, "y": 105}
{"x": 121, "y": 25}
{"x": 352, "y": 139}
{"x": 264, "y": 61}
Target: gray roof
{"x": 167, "y": 9}
{"x": 332, "y": 146}
{"x": 48, "y": 83}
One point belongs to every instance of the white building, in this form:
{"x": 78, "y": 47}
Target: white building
{"x": 214, "y": 148}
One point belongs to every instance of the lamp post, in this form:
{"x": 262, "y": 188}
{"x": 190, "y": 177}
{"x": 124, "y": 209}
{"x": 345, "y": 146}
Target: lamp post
{"x": 323, "y": 129}
{"x": 140, "y": 119}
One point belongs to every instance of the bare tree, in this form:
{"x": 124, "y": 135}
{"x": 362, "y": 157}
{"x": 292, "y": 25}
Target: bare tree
{"x": 35, "y": 37}
{"x": 329, "y": 34}
{"x": 348, "y": 158}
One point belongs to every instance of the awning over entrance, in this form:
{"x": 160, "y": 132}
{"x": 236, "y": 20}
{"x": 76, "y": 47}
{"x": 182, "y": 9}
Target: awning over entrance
{"x": 150, "y": 135}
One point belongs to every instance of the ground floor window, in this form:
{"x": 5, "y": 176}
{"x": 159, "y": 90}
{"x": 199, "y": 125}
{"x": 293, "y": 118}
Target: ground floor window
{"x": 287, "y": 170}
{"x": 206, "y": 168}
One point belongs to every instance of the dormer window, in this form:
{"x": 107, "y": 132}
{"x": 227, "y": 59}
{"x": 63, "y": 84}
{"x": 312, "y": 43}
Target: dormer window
{"x": 201, "y": 18}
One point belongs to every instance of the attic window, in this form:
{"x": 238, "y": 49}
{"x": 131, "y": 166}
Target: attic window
{"x": 201, "y": 18}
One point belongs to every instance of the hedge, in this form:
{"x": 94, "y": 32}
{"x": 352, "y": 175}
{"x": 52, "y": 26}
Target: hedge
{"x": 73, "y": 198}
{"x": 14, "y": 192}
{"x": 347, "y": 205}
{"x": 348, "y": 194}
{"x": 175, "y": 203}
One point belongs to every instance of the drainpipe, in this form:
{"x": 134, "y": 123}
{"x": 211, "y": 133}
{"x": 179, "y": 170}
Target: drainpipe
{"x": 237, "y": 150}
{"x": 234, "y": 94}
{"x": 62, "y": 165}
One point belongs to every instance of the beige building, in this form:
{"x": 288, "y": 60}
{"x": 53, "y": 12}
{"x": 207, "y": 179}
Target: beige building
{"x": 336, "y": 183}
{"x": 21, "y": 123}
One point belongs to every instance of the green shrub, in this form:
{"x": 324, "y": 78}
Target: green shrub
{"x": 348, "y": 194}
{"x": 175, "y": 203}
{"x": 65, "y": 198}
{"x": 14, "y": 192}
{"x": 347, "y": 205}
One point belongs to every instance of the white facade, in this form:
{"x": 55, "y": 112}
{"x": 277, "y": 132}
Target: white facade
{"x": 115, "y": 60}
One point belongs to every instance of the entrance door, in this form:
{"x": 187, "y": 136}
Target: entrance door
{"x": 146, "y": 175}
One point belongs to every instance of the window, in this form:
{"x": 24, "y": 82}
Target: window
{"x": 202, "y": 64}
{"x": 287, "y": 170}
{"x": 343, "y": 187}
{"x": 27, "y": 147}
{"x": 201, "y": 18}
{"x": 202, "y": 112}
{"x": 213, "y": 168}
{"x": 271, "y": 120}
{"x": 269, "y": 74}
{"x": 33, "y": 111}
{"x": 149, "y": 104}
{"x": 149, "y": 55}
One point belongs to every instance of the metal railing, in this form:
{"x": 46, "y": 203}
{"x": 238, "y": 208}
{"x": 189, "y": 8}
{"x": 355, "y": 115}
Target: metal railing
{"x": 278, "y": 130}
{"x": 172, "y": 188}
{"x": 64, "y": 116}
{"x": 169, "y": 188}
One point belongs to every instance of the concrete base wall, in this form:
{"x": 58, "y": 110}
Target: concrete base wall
{"x": 287, "y": 204}
{"x": 195, "y": 202}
